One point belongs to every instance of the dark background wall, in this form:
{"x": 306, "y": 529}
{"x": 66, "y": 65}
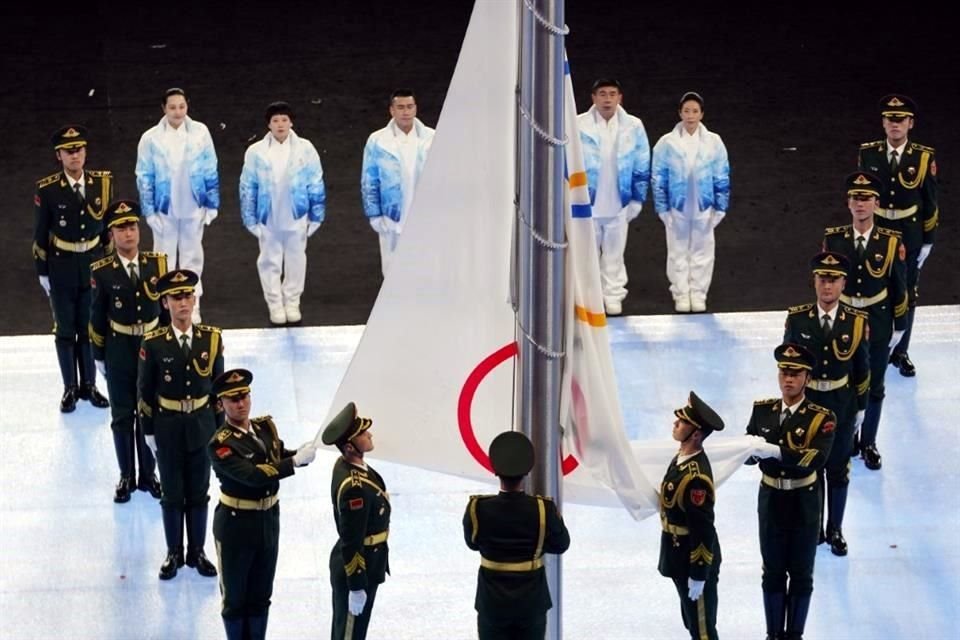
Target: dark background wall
{"x": 792, "y": 90}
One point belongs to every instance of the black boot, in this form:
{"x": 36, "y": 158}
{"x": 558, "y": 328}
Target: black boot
{"x": 123, "y": 446}
{"x": 257, "y": 626}
{"x": 196, "y": 537}
{"x": 773, "y": 610}
{"x": 836, "y": 505}
{"x": 147, "y": 478}
{"x": 68, "y": 402}
{"x": 797, "y": 608}
{"x": 235, "y": 628}
{"x": 90, "y": 393}
{"x": 173, "y": 532}
{"x": 868, "y": 434}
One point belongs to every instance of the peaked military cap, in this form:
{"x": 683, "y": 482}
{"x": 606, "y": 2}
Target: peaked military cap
{"x": 699, "y": 414}
{"x": 69, "y": 136}
{"x": 235, "y": 382}
{"x": 511, "y": 454}
{"x": 794, "y": 356}
{"x": 863, "y": 183}
{"x": 122, "y": 212}
{"x": 177, "y": 281}
{"x": 896, "y": 106}
{"x": 830, "y": 263}
{"x": 345, "y": 426}
{"x": 278, "y": 109}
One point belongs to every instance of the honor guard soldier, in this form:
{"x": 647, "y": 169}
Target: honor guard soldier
{"x": 512, "y": 531}
{"x": 837, "y": 335}
{"x": 68, "y": 223}
{"x": 689, "y": 548}
{"x": 125, "y": 307}
{"x": 877, "y": 285}
{"x": 907, "y": 199}
{"x": 178, "y": 364}
{"x": 361, "y": 510}
{"x": 250, "y": 460}
{"x": 798, "y": 436}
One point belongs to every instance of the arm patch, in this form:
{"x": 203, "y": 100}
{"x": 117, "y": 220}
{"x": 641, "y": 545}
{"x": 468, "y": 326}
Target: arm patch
{"x": 224, "y": 452}
{"x": 355, "y": 504}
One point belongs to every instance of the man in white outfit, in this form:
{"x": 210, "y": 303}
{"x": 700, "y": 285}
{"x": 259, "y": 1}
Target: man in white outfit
{"x": 690, "y": 180}
{"x": 282, "y": 203}
{"x": 179, "y": 186}
{"x": 616, "y": 156}
{"x": 392, "y": 161}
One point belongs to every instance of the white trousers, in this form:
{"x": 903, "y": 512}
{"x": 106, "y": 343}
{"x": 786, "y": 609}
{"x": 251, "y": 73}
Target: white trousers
{"x": 182, "y": 240}
{"x": 690, "y": 253}
{"x": 388, "y": 245}
{"x": 282, "y": 253}
{"x": 611, "y": 235}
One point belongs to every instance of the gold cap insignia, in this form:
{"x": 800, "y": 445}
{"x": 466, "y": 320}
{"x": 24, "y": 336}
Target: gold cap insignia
{"x": 179, "y": 277}
{"x": 234, "y": 377}
{"x": 71, "y": 133}
{"x": 895, "y": 102}
{"x": 124, "y": 208}
{"x": 830, "y": 260}
{"x": 790, "y": 352}
{"x": 861, "y": 179}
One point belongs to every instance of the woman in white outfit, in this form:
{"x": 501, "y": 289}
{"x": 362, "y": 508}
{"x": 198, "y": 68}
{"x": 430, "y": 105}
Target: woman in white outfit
{"x": 690, "y": 178}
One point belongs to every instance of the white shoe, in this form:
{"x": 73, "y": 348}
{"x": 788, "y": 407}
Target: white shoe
{"x": 278, "y": 316}
{"x": 613, "y": 308}
{"x": 293, "y": 314}
{"x": 682, "y": 305}
{"x": 697, "y": 305}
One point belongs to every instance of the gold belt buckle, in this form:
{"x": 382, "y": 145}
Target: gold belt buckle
{"x": 186, "y": 406}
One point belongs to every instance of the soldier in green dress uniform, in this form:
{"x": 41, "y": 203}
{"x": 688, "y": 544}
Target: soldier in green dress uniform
{"x": 178, "y": 364}
{"x": 798, "y": 435}
{"x": 250, "y": 460}
{"x": 907, "y": 199}
{"x": 68, "y": 224}
{"x": 361, "y": 509}
{"x": 125, "y": 307}
{"x": 512, "y": 530}
{"x": 689, "y": 548}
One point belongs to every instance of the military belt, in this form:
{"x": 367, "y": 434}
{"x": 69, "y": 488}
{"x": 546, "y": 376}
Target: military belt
{"x": 264, "y": 504}
{"x": 183, "y": 406}
{"x": 789, "y": 484}
{"x": 859, "y": 302}
{"x": 674, "y": 529}
{"x": 76, "y": 247}
{"x": 896, "y": 214}
{"x": 526, "y": 565}
{"x": 134, "y": 329}
{"x": 375, "y": 539}
{"x": 828, "y": 385}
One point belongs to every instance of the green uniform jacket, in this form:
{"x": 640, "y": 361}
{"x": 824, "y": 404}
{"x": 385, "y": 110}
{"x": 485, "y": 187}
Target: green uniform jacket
{"x": 845, "y": 351}
{"x": 361, "y": 509}
{"x": 513, "y": 527}
{"x": 165, "y": 371}
{"x": 915, "y": 184}
{"x": 804, "y": 438}
{"x": 246, "y": 469}
{"x": 58, "y": 213}
{"x": 882, "y": 268}
{"x": 689, "y": 547}
{"x": 117, "y": 300}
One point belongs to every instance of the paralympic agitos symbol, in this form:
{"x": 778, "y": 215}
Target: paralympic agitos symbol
{"x": 465, "y": 402}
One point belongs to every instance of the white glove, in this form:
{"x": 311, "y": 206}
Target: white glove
{"x": 152, "y": 443}
{"x": 356, "y": 601}
{"x": 717, "y": 218}
{"x": 924, "y": 254}
{"x": 378, "y": 224}
{"x": 101, "y": 367}
{"x": 255, "y": 230}
{"x": 632, "y": 210}
{"x": 155, "y": 221}
{"x": 665, "y": 218}
{"x": 858, "y": 420}
{"x": 696, "y": 588}
{"x": 305, "y": 454}
{"x": 896, "y": 338}
{"x": 209, "y": 216}
{"x": 767, "y": 450}
{"x": 45, "y": 283}
{"x": 312, "y": 228}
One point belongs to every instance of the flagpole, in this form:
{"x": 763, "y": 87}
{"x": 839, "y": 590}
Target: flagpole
{"x": 541, "y": 248}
